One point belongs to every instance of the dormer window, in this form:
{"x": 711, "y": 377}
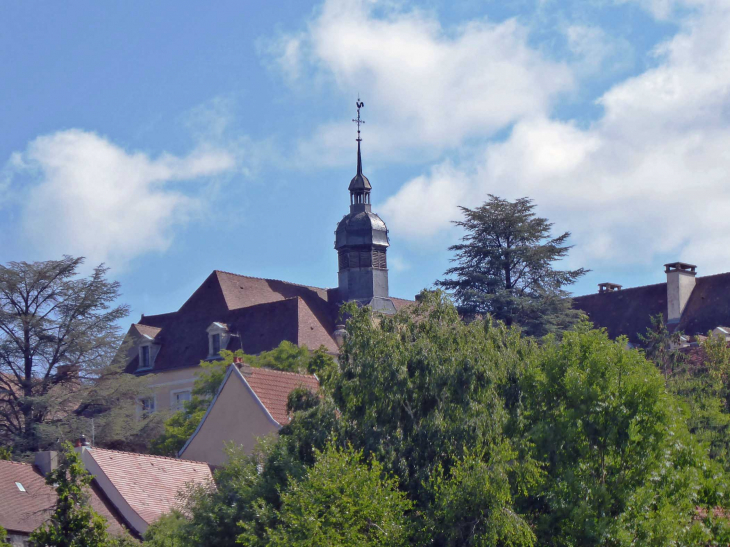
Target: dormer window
{"x": 218, "y": 338}
{"x": 144, "y": 359}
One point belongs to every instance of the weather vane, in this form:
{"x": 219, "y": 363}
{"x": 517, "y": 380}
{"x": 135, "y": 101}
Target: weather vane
{"x": 358, "y": 121}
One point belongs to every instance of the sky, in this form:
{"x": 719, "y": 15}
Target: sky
{"x": 169, "y": 139}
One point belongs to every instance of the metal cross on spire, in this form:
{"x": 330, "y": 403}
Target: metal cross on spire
{"x": 358, "y": 121}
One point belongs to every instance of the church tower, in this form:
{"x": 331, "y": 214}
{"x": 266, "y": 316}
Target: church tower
{"x": 361, "y": 241}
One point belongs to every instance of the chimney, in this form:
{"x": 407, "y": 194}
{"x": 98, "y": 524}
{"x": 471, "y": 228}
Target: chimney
{"x": 82, "y": 441}
{"x": 608, "y": 287}
{"x": 680, "y": 283}
{"x": 46, "y": 461}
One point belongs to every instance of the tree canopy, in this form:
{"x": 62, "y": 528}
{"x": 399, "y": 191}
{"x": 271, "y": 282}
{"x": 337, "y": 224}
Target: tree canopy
{"x": 488, "y": 438}
{"x": 59, "y": 334}
{"x": 506, "y": 268}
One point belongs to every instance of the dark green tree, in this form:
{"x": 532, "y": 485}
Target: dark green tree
{"x": 58, "y": 335}
{"x": 342, "y": 500}
{"x": 73, "y": 522}
{"x": 506, "y": 268}
{"x": 661, "y": 346}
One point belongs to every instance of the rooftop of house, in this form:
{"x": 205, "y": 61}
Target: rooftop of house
{"x": 258, "y": 313}
{"x": 26, "y": 501}
{"x": 272, "y": 387}
{"x": 628, "y": 311}
{"x": 149, "y": 484}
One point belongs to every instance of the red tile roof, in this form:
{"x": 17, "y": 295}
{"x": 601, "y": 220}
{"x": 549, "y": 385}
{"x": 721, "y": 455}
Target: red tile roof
{"x": 149, "y": 484}
{"x": 273, "y": 387}
{"x": 25, "y": 511}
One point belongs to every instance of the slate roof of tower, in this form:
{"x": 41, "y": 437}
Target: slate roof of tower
{"x": 23, "y": 512}
{"x": 263, "y": 311}
{"x": 628, "y": 311}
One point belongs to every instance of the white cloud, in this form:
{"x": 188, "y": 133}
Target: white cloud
{"x": 434, "y": 87}
{"x": 650, "y": 178}
{"x": 83, "y": 195}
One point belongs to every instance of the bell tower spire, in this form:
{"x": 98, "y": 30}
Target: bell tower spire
{"x": 360, "y": 185}
{"x": 361, "y": 241}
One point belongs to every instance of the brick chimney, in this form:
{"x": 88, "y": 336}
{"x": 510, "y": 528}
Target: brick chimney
{"x": 680, "y": 283}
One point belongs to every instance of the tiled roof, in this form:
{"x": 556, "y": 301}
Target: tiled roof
{"x": 147, "y": 330}
{"x": 25, "y": 511}
{"x": 625, "y": 312}
{"x": 149, "y": 484}
{"x": 273, "y": 387}
{"x": 628, "y": 311}
{"x": 264, "y": 312}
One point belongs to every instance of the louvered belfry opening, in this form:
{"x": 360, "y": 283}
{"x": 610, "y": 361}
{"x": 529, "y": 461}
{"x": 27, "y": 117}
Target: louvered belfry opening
{"x": 363, "y": 258}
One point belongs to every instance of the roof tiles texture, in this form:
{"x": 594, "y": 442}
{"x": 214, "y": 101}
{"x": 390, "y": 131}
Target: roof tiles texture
{"x": 273, "y": 387}
{"x": 25, "y": 511}
{"x": 264, "y": 312}
{"x": 150, "y": 484}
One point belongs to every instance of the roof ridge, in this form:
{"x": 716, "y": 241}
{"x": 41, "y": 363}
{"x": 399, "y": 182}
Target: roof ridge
{"x": 18, "y": 463}
{"x": 148, "y": 455}
{"x": 271, "y": 279}
{"x": 620, "y": 291}
{"x": 713, "y": 275}
{"x": 285, "y": 372}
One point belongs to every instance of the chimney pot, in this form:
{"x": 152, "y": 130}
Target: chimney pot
{"x": 608, "y": 287}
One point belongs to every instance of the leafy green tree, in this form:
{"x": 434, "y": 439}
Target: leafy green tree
{"x": 421, "y": 390}
{"x": 505, "y": 268}
{"x": 3, "y": 536}
{"x": 73, "y": 522}
{"x": 661, "y": 346}
{"x": 622, "y": 468}
{"x": 341, "y": 501}
{"x": 58, "y": 335}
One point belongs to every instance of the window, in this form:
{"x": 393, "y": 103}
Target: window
{"x": 218, "y": 338}
{"x": 20, "y": 487}
{"x": 147, "y": 404}
{"x": 144, "y": 357}
{"x": 178, "y": 399}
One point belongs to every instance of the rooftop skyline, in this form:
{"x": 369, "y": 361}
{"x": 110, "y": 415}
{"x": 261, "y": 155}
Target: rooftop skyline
{"x": 169, "y": 141}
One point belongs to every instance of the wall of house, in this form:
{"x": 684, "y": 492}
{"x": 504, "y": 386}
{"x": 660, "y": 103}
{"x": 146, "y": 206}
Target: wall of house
{"x": 165, "y": 384}
{"x": 236, "y": 416}
{"x": 18, "y": 540}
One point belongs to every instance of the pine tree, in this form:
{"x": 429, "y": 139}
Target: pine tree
{"x": 505, "y": 268}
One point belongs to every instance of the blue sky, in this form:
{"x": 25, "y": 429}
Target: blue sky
{"x": 169, "y": 139}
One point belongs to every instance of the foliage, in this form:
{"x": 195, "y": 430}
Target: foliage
{"x": 489, "y": 437}
{"x": 506, "y": 268}
{"x": 341, "y": 501}
{"x": 58, "y": 333}
{"x": 660, "y": 345}
{"x": 5, "y": 453}
{"x": 3, "y": 535}
{"x": 167, "y": 531}
{"x": 73, "y": 522}
{"x": 287, "y": 356}
{"x": 622, "y": 468}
